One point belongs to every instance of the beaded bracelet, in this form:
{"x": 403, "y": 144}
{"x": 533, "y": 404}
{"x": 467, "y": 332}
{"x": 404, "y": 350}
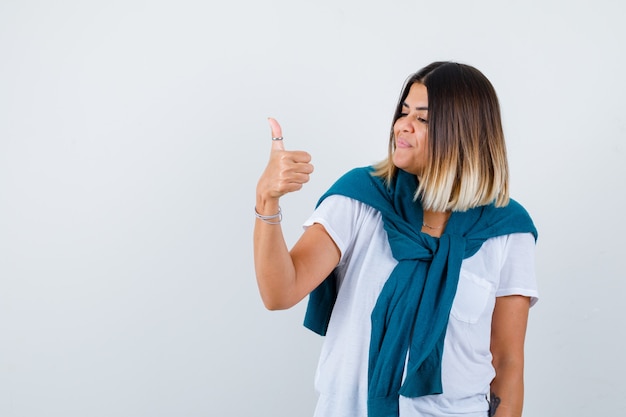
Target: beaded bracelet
{"x": 268, "y": 219}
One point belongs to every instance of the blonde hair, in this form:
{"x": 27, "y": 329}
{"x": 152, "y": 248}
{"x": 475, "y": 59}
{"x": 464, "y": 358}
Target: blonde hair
{"x": 466, "y": 165}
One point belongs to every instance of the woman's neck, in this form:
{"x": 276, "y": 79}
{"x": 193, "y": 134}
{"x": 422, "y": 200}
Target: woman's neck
{"x": 434, "y": 222}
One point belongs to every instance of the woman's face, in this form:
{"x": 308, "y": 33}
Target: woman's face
{"x": 411, "y": 131}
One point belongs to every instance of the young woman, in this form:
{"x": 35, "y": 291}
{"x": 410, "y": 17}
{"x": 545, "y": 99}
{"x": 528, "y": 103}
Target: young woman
{"x": 420, "y": 270}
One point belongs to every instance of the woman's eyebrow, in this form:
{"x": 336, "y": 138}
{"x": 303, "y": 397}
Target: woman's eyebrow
{"x": 417, "y": 108}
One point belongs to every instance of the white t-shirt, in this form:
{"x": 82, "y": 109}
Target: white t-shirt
{"x": 503, "y": 266}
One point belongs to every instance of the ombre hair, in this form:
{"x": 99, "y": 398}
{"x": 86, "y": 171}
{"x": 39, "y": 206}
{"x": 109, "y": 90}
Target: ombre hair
{"x": 466, "y": 165}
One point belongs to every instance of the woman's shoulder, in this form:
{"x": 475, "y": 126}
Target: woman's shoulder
{"x": 511, "y": 218}
{"x": 356, "y": 176}
{"x": 358, "y": 183}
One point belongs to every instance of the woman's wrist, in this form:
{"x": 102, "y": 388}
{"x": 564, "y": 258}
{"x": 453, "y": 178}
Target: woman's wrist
{"x": 267, "y": 206}
{"x": 269, "y": 218}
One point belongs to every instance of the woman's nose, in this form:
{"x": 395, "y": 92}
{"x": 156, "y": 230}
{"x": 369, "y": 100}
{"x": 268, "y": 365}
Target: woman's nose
{"x": 405, "y": 124}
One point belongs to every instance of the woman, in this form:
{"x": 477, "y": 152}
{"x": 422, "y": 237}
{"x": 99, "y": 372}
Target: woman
{"x": 420, "y": 269}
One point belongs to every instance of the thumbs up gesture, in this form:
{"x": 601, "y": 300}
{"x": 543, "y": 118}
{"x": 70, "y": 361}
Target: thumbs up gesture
{"x": 286, "y": 171}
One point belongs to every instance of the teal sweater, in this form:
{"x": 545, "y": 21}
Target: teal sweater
{"x": 412, "y": 310}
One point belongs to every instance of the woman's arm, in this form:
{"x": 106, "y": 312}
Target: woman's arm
{"x": 508, "y": 331}
{"x": 285, "y": 277}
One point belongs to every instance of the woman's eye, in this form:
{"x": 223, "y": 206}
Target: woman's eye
{"x": 418, "y": 118}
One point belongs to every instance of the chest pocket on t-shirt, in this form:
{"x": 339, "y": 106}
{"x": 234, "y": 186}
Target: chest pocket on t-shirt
{"x": 472, "y": 296}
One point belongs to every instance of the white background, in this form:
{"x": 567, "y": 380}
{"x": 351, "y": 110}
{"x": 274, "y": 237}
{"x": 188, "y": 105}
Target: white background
{"x": 131, "y": 137}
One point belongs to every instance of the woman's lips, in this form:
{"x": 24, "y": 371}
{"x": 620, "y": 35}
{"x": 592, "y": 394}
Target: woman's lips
{"x": 401, "y": 143}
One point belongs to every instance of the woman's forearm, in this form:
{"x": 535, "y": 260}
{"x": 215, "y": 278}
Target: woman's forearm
{"x": 507, "y": 391}
{"x": 508, "y": 331}
{"x": 274, "y": 267}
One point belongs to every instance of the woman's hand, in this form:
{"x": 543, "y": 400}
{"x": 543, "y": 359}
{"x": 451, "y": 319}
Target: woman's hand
{"x": 286, "y": 171}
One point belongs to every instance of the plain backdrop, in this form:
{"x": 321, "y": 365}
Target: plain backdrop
{"x": 132, "y": 134}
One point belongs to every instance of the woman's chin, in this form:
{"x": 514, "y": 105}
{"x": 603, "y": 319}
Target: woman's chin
{"x": 406, "y": 167}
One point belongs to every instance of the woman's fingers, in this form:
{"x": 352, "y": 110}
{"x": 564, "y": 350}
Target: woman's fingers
{"x": 277, "y": 135}
{"x": 286, "y": 170}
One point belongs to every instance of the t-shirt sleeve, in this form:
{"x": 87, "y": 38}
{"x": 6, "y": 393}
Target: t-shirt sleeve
{"x": 341, "y": 217}
{"x": 517, "y": 276}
